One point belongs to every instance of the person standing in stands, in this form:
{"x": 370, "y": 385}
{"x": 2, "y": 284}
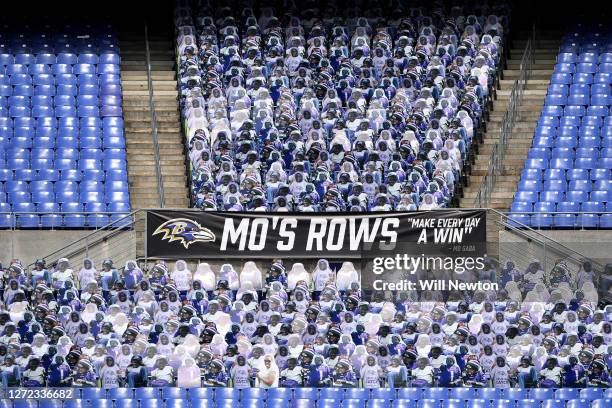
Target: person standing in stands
{"x": 268, "y": 376}
{"x": 240, "y": 373}
{"x": 500, "y": 373}
{"x": 110, "y": 373}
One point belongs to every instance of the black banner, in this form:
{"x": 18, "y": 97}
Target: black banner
{"x": 193, "y": 234}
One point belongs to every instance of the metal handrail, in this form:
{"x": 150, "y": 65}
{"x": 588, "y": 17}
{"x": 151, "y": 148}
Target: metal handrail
{"x": 483, "y": 197}
{"x": 91, "y": 234}
{"x": 158, "y": 172}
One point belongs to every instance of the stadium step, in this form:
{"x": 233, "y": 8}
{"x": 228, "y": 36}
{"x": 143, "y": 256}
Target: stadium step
{"x": 521, "y": 137}
{"x": 138, "y": 128}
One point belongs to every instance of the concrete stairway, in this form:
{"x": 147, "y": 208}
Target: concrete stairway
{"x": 137, "y": 117}
{"x": 547, "y": 45}
{"x": 138, "y": 130}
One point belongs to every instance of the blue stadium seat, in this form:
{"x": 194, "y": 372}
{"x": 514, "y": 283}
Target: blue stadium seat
{"x": 527, "y": 403}
{"x": 404, "y": 403}
{"x": 121, "y": 393}
{"x": 147, "y": 393}
{"x": 93, "y": 393}
{"x": 353, "y": 403}
{"x": 301, "y": 403}
{"x": 201, "y": 403}
{"x": 516, "y": 393}
{"x": 578, "y": 403}
{"x": 305, "y": 393}
{"x": 25, "y": 403}
{"x": 175, "y": 403}
{"x": 453, "y": 403}
{"x": 478, "y": 403}
{"x": 331, "y": 393}
{"x": 380, "y": 403}
{"x": 601, "y": 403}
{"x": 429, "y": 403}
{"x": 131, "y": 403}
{"x": 201, "y": 393}
{"x": 553, "y": 403}
{"x": 227, "y": 393}
{"x": 591, "y": 393}
{"x": 541, "y": 394}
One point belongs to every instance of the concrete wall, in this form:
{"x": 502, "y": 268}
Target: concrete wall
{"x": 28, "y": 245}
{"x": 596, "y": 245}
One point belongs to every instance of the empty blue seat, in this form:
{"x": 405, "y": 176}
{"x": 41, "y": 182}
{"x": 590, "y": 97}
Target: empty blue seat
{"x": 277, "y": 393}
{"x": 130, "y": 403}
{"x": 578, "y": 403}
{"x": 147, "y": 393}
{"x": 202, "y": 403}
{"x": 25, "y": 403}
{"x": 201, "y": 393}
{"x": 597, "y": 110}
{"x": 331, "y": 393}
{"x": 591, "y": 394}
{"x": 587, "y": 220}
{"x": 561, "y": 78}
{"x": 553, "y": 403}
{"x": 121, "y": 393}
{"x": 353, "y": 403}
{"x": 305, "y": 393}
{"x": 463, "y": 393}
{"x": 429, "y": 403}
{"x": 600, "y": 174}
{"x": 404, "y": 403}
{"x": 567, "y": 393}
{"x": 453, "y": 403}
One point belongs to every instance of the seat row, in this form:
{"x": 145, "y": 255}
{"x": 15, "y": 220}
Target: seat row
{"x": 563, "y": 185}
{"x": 582, "y": 67}
{"x": 580, "y": 220}
{"x": 576, "y": 110}
{"x": 578, "y": 99}
{"x": 62, "y": 100}
{"x": 59, "y": 220}
{"x": 62, "y": 111}
{"x": 578, "y": 89}
{"x": 63, "y": 196}
{"x": 581, "y": 78}
{"x": 568, "y": 152}
{"x": 68, "y": 58}
{"x": 77, "y": 69}
{"x": 63, "y": 164}
{"x": 68, "y": 122}
{"x": 68, "y": 185}
{"x": 559, "y": 120}
{"x": 570, "y": 196}
{"x": 583, "y": 163}
{"x": 46, "y": 139}
{"x": 63, "y": 175}
{"x": 411, "y": 393}
{"x": 308, "y": 403}
{"x": 562, "y": 174}
{"x": 64, "y": 153}
{"x": 585, "y": 57}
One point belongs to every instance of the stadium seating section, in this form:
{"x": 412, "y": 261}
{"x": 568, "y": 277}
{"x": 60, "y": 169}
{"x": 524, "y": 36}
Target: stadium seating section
{"x": 327, "y": 398}
{"x": 569, "y": 167}
{"x": 62, "y": 146}
{"x": 325, "y": 113}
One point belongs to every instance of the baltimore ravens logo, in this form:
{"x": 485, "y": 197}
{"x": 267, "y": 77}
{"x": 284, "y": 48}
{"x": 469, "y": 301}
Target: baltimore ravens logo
{"x": 185, "y": 231}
